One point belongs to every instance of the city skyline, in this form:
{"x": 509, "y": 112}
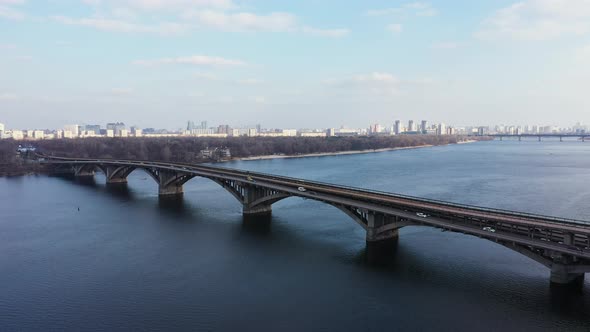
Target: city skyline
{"x": 205, "y": 129}
{"x": 280, "y": 63}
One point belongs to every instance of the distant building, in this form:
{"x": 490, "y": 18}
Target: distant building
{"x": 74, "y": 130}
{"x": 39, "y": 134}
{"x": 289, "y": 132}
{"x": 1, "y": 128}
{"x": 331, "y": 132}
{"x": 424, "y": 126}
{"x": 397, "y": 127}
{"x": 116, "y": 128}
{"x": 411, "y": 126}
{"x": 110, "y": 133}
{"x": 93, "y": 128}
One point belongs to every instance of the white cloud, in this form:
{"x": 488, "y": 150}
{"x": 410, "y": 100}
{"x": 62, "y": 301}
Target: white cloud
{"x": 258, "y": 99}
{"x": 122, "y": 26}
{"x": 378, "y": 83}
{"x": 249, "y": 81}
{"x": 121, "y": 92}
{"x": 411, "y": 8}
{"x": 12, "y": 2}
{"x": 10, "y": 13}
{"x": 207, "y": 76}
{"x": 334, "y": 33}
{"x": 444, "y": 45}
{"x": 8, "y": 96}
{"x": 537, "y": 20}
{"x": 242, "y": 21}
{"x": 163, "y": 5}
{"x": 394, "y": 28}
{"x": 200, "y": 60}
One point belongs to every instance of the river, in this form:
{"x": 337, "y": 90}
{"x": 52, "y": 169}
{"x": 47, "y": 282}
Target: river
{"x": 84, "y": 256}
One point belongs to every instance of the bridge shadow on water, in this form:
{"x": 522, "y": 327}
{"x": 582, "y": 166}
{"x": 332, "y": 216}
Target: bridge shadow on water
{"x": 174, "y": 206}
{"x": 257, "y": 225}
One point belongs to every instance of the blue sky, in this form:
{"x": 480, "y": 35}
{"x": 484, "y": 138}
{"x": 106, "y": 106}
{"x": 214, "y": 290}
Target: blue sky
{"x": 159, "y": 63}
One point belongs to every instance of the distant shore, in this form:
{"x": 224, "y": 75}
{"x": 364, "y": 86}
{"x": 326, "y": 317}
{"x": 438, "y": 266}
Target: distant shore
{"x": 340, "y": 153}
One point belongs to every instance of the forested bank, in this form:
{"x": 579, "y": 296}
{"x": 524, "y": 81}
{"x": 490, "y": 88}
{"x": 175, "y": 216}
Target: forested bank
{"x": 188, "y": 149}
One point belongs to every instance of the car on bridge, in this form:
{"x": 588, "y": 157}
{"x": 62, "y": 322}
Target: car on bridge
{"x": 489, "y": 229}
{"x": 301, "y": 189}
{"x": 422, "y": 215}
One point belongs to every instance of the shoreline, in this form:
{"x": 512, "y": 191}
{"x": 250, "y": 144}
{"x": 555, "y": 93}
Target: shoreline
{"x": 340, "y": 153}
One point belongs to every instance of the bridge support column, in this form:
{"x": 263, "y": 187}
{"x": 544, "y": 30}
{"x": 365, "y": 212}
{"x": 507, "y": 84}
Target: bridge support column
{"x": 170, "y": 183}
{"x": 562, "y": 277}
{"x": 253, "y": 194}
{"x": 116, "y": 174}
{"x": 380, "y": 246}
{"x": 539, "y": 138}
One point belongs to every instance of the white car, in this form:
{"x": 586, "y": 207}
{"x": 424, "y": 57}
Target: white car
{"x": 489, "y": 229}
{"x": 422, "y": 215}
{"x": 301, "y": 189}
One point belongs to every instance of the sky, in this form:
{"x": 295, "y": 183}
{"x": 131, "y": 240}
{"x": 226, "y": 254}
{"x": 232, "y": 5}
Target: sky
{"x": 293, "y": 64}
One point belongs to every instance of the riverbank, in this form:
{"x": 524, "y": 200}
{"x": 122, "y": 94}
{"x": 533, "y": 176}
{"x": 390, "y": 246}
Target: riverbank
{"x": 340, "y": 153}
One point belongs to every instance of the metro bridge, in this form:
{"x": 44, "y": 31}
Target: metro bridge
{"x": 582, "y": 137}
{"x": 562, "y": 245}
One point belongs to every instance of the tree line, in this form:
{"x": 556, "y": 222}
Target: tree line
{"x": 187, "y": 149}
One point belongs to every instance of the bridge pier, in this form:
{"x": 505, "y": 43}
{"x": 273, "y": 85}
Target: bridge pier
{"x": 563, "y": 278}
{"x": 117, "y": 174}
{"x": 380, "y": 245}
{"x": 171, "y": 182}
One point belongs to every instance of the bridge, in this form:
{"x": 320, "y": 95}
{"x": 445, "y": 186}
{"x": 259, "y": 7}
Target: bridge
{"x": 582, "y": 137}
{"x": 562, "y": 245}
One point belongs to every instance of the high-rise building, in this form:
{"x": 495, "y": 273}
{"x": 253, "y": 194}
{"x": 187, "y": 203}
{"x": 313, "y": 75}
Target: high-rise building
{"x": 190, "y": 126}
{"x": 397, "y": 127}
{"x": 424, "y": 126}
{"x": 93, "y": 128}
{"x": 116, "y": 128}
{"x": 1, "y": 128}
{"x": 73, "y": 129}
{"x": 203, "y": 124}
{"x": 442, "y": 129}
{"x": 411, "y": 126}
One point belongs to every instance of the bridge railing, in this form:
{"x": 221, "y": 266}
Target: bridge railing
{"x": 466, "y": 207}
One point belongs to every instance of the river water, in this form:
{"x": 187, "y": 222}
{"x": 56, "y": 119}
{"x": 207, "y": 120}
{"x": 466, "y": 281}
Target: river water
{"x": 129, "y": 261}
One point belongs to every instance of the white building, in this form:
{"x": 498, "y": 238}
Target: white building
{"x": 18, "y": 134}
{"x": 289, "y": 132}
{"x": 73, "y": 129}
{"x": 1, "y": 128}
{"x": 110, "y": 133}
{"x": 39, "y": 134}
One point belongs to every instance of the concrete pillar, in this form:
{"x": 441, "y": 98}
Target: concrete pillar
{"x": 519, "y": 138}
{"x": 116, "y": 174}
{"x": 167, "y": 184}
{"x": 170, "y": 190}
{"x": 251, "y": 194}
{"x": 561, "y": 138}
{"x": 539, "y": 138}
{"x": 380, "y": 247}
{"x": 561, "y": 277}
